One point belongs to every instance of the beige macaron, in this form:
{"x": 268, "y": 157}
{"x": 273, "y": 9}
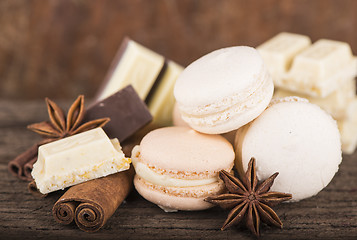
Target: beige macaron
{"x": 177, "y": 167}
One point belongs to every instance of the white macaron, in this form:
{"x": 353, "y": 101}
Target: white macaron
{"x": 223, "y": 90}
{"x": 295, "y": 138}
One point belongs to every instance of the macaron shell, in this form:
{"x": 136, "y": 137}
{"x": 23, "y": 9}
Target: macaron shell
{"x": 297, "y": 139}
{"x": 234, "y": 117}
{"x": 184, "y": 150}
{"x": 171, "y": 201}
{"x": 219, "y": 74}
{"x": 223, "y": 90}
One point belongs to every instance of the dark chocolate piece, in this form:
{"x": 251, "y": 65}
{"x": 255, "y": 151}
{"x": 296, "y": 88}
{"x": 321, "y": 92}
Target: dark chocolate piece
{"x": 127, "y": 113}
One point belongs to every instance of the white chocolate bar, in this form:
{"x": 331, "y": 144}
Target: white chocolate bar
{"x": 162, "y": 102}
{"x": 151, "y": 76}
{"x": 138, "y": 66}
{"x": 315, "y": 70}
{"x": 279, "y": 52}
{"x": 348, "y": 131}
{"x": 321, "y": 69}
{"x": 338, "y": 103}
{"x": 77, "y": 159}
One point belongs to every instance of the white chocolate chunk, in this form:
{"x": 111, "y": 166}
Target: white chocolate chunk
{"x": 321, "y": 69}
{"x": 77, "y": 159}
{"x": 162, "y": 102}
{"x": 338, "y": 103}
{"x": 348, "y": 130}
{"x": 279, "y": 52}
{"x": 139, "y": 66}
{"x": 315, "y": 70}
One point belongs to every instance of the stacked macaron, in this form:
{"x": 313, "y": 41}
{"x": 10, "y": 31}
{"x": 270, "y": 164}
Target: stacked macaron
{"x": 295, "y": 138}
{"x": 226, "y": 90}
{"x": 177, "y": 167}
{"x": 223, "y": 90}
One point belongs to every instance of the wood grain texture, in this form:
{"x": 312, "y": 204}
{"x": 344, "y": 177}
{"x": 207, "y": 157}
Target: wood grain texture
{"x": 332, "y": 214}
{"x": 63, "y": 48}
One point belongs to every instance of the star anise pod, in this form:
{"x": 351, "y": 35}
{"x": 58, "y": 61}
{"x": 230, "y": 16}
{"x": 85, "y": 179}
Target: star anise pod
{"x": 58, "y": 126}
{"x": 249, "y": 200}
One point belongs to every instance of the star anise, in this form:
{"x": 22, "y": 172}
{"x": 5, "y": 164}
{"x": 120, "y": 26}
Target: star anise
{"x": 58, "y": 126}
{"x": 249, "y": 200}
{"x": 61, "y": 126}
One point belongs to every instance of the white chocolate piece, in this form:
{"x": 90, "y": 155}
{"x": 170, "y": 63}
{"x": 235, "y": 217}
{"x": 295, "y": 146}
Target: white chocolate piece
{"x": 348, "y": 130}
{"x": 77, "y": 159}
{"x": 162, "y": 102}
{"x": 320, "y": 69}
{"x": 139, "y": 66}
{"x": 337, "y": 103}
{"x": 279, "y": 52}
{"x": 315, "y": 70}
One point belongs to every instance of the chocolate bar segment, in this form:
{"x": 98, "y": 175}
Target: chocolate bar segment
{"x": 127, "y": 113}
{"x": 348, "y": 130}
{"x": 316, "y": 70}
{"x": 151, "y": 75}
{"x": 278, "y": 53}
{"x": 134, "y": 64}
{"x": 335, "y": 103}
{"x": 78, "y": 158}
{"x": 162, "y": 101}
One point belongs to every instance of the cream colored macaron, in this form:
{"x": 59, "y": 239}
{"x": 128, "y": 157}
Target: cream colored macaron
{"x": 177, "y": 167}
{"x": 223, "y": 90}
{"x": 295, "y": 138}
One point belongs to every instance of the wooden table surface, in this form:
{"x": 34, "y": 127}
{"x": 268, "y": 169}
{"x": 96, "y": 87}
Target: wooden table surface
{"x": 332, "y": 214}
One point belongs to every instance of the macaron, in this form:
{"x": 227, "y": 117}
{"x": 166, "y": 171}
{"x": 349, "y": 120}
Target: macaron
{"x": 177, "y": 167}
{"x": 223, "y": 90}
{"x": 295, "y": 138}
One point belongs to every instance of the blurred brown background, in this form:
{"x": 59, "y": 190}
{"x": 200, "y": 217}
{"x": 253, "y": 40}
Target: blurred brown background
{"x": 61, "y": 48}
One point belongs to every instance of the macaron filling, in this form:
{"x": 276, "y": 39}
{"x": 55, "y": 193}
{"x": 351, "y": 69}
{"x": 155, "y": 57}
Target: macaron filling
{"x": 146, "y": 173}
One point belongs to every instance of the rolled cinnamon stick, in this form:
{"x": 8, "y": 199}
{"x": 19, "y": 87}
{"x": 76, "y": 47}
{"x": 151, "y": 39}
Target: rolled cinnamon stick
{"x": 27, "y": 158}
{"x": 28, "y": 168}
{"x": 16, "y": 166}
{"x": 91, "y": 204}
{"x": 32, "y": 188}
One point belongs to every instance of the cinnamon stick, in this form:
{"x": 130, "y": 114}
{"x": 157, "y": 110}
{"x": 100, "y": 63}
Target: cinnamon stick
{"x": 28, "y": 158}
{"x": 91, "y": 204}
{"x": 16, "y": 166}
{"x": 32, "y": 188}
{"x": 28, "y": 168}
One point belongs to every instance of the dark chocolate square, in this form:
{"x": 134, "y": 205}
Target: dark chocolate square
{"x": 127, "y": 113}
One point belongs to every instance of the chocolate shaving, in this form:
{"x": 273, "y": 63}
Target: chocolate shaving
{"x": 91, "y": 204}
